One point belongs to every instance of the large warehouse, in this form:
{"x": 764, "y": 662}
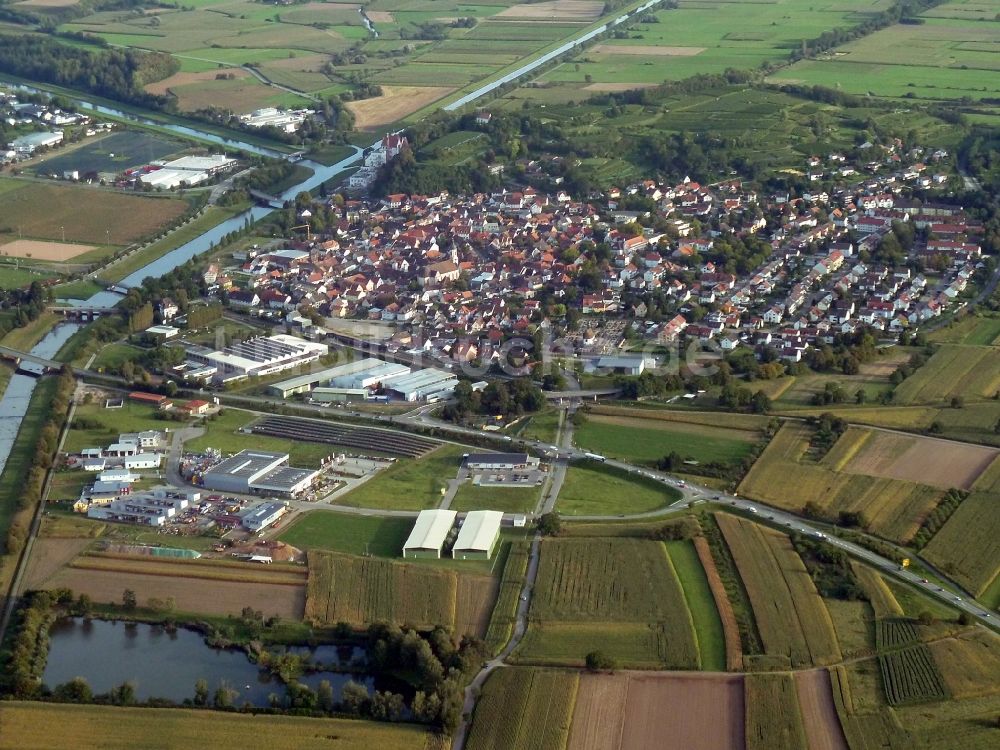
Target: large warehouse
{"x": 429, "y": 534}
{"x": 259, "y": 472}
{"x": 479, "y": 535}
{"x": 363, "y": 376}
{"x": 258, "y": 356}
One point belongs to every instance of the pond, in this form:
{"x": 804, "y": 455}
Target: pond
{"x": 162, "y": 663}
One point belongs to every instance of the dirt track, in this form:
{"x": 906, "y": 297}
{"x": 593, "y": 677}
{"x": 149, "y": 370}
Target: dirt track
{"x": 819, "y": 715}
{"x": 658, "y": 711}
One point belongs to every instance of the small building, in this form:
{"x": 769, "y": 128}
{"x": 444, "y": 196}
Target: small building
{"x": 499, "y": 461}
{"x": 478, "y": 536}
{"x": 153, "y": 399}
{"x": 259, "y": 518}
{"x": 143, "y": 461}
{"x": 162, "y": 332}
{"x": 429, "y": 533}
{"x": 196, "y": 407}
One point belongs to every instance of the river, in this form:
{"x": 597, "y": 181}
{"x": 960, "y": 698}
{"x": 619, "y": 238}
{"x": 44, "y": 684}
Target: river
{"x": 163, "y": 663}
{"x": 17, "y": 396}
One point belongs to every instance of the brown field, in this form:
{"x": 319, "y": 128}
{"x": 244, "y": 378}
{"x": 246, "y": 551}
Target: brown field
{"x": 734, "y": 649}
{"x": 48, "y": 557}
{"x": 969, "y": 663}
{"x": 555, "y": 10}
{"x": 44, "y": 211}
{"x": 167, "y": 85}
{"x": 618, "y": 86}
{"x": 380, "y": 16}
{"x": 215, "y": 570}
{"x": 930, "y": 461}
{"x": 41, "y": 250}
{"x": 395, "y": 103}
{"x": 474, "y": 604}
{"x": 211, "y": 597}
{"x": 819, "y": 714}
{"x": 48, "y": 3}
{"x": 635, "y": 711}
{"x": 241, "y": 95}
{"x": 648, "y": 50}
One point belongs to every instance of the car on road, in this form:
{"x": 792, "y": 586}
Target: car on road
{"x": 924, "y": 580}
{"x": 752, "y": 509}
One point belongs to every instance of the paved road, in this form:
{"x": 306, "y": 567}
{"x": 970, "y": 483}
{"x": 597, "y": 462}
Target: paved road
{"x": 497, "y": 662}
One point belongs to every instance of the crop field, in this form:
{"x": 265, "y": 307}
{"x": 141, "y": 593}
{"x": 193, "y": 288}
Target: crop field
{"x": 792, "y": 620}
{"x": 893, "y": 633}
{"x": 114, "y": 153}
{"x": 772, "y": 712}
{"x": 708, "y": 37}
{"x": 938, "y": 463}
{"x": 708, "y": 629}
{"x": 943, "y": 58}
{"x": 584, "y": 592}
{"x": 724, "y": 608}
{"x": 628, "y": 711}
{"x": 412, "y": 484}
{"x": 395, "y": 103}
{"x": 784, "y": 476}
{"x": 43, "y": 726}
{"x": 524, "y": 708}
{"x": 972, "y": 372}
{"x": 822, "y": 726}
{"x": 353, "y": 534}
{"x": 45, "y": 211}
{"x": 975, "y": 330}
{"x": 648, "y": 440}
{"x": 592, "y": 488}
{"x": 968, "y": 546}
{"x": 501, "y": 624}
{"x": 911, "y": 676}
{"x": 879, "y": 594}
{"x": 969, "y": 663}
{"x": 362, "y": 590}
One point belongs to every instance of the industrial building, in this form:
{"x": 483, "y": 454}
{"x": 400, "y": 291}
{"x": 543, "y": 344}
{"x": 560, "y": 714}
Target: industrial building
{"x": 429, "y": 534}
{"x": 153, "y": 508}
{"x": 187, "y": 170}
{"x": 142, "y": 461}
{"x": 259, "y": 518}
{"x": 478, "y": 536}
{"x": 26, "y": 145}
{"x": 352, "y": 380}
{"x": 258, "y": 356}
{"x": 499, "y": 461}
{"x": 258, "y": 472}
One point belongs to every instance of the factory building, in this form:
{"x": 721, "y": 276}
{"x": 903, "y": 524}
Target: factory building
{"x": 478, "y": 536}
{"x": 499, "y": 461}
{"x": 357, "y": 379}
{"x": 259, "y": 518}
{"x": 429, "y": 534}
{"x": 258, "y": 356}
{"x": 259, "y": 472}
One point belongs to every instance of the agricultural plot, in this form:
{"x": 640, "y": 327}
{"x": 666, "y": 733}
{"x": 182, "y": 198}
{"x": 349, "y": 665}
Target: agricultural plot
{"x": 942, "y": 59}
{"x": 975, "y": 330}
{"x": 592, "y": 488}
{"x": 44, "y": 211}
{"x": 707, "y": 36}
{"x": 362, "y": 590}
{"x": 628, "y": 711}
{"x": 395, "y": 103}
{"x": 648, "y": 440}
{"x": 822, "y": 726}
{"x": 895, "y": 633}
{"x": 969, "y": 663}
{"x": 929, "y": 461}
{"x": 879, "y": 594}
{"x": 708, "y": 629}
{"x": 43, "y": 726}
{"x": 911, "y": 676}
{"x": 972, "y": 372}
{"x": 786, "y": 477}
{"x": 581, "y": 586}
{"x": 501, "y": 624}
{"x": 772, "y": 713}
{"x": 507, "y": 499}
{"x": 792, "y": 620}
{"x": 967, "y": 546}
{"x": 524, "y": 708}
{"x": 350, "y": 533}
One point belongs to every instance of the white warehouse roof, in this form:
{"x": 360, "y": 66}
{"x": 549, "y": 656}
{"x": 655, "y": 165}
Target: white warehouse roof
{"x": 478, "y": 531}
{"x": 431, "y": 529}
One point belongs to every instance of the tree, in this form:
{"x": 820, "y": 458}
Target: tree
{"x": 201, "y": 693}
{"x": 124, "y": 694}
{"x": 354, "y": 697}
{"x": 549, "y": 524}
{"x": 957, "y": 402}
{"x": 925, "y": 618}
{"x": 224, "y": 696}
{"x": 129, "y": 601}
{"x": 324, "y": 696}
{"x": 598, "y": 660}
